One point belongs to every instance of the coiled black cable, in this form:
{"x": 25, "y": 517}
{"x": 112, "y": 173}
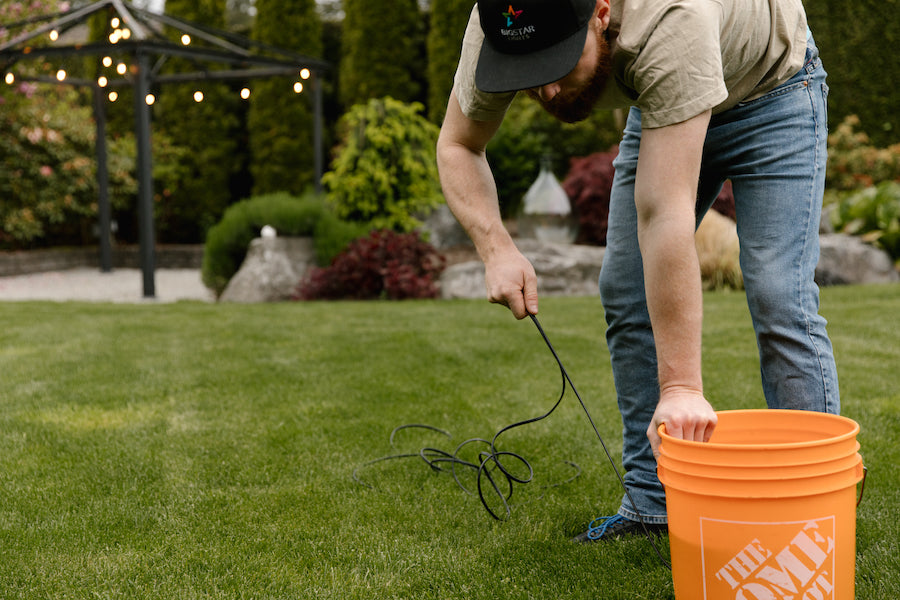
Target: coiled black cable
{"x": 491, "y": 460}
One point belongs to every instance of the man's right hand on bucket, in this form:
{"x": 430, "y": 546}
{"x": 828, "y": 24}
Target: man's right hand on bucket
{"x": 686, "y": 414}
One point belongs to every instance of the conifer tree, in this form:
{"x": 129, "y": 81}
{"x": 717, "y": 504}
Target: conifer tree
{"x": 280, "y": 121}
{"x": 382, "y": 54}
{"x": 448, "y": 24}
{"x": 194, "y": 196}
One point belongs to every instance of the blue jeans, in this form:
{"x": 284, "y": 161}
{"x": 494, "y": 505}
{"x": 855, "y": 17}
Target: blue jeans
{"x": 773, "y": 149}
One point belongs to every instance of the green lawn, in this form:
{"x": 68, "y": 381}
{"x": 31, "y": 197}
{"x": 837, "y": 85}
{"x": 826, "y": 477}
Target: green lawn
{"x": 207, "y": 451}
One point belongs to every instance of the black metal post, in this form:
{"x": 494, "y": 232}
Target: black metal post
{"x": 145, "y": 174}
{"x": 317, "y": 131}
{"x": 103, "y": 207}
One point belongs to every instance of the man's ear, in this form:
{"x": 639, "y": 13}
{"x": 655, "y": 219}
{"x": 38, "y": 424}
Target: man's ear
{"x": 602, "y": 12}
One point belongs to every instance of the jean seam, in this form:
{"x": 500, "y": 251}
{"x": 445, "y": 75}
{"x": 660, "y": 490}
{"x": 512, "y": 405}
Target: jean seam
{"x": 818, "y": 124}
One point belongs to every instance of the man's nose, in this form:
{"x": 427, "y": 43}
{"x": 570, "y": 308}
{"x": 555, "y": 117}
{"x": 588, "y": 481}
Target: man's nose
{"x": 548, "y": 92}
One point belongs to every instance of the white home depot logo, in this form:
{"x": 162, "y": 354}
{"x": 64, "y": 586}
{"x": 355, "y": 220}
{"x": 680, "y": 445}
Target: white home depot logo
{"x": 768, "y": 561}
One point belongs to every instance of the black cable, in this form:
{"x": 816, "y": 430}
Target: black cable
{"x": 491, "y": 459}
{"x": 566, "y": 378}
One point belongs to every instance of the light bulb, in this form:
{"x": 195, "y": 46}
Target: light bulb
{"x": 113, "y": 96}
{"x": 54, "y": 35}
{"x": 298, "y": 87}
{"x": 186, "y": 39}
{"x": 121, "y": 68}
{"x": 61, "y": 75}
{"x": 107, "y": 61}
{"x": 245, "y": 93}
{"x": 10, "y": 78}
{"x": 198, "y": 96}
{"x": 102, "y": 81}
{"x": 304, "y": 73}
{"x": 150, "y": 99}
{"x": 115, "y": 22}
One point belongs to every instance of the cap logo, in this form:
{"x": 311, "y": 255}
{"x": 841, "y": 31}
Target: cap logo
{"x": 515, "y": 34}
{"x": 511, "y": 15}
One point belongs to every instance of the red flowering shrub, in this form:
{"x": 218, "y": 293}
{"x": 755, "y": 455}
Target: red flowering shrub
{"x": 588, "y": 185}
{"x": 385, "y": 264}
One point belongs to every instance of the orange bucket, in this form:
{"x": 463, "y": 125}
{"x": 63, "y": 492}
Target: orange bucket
{"x": 766, "y": 510}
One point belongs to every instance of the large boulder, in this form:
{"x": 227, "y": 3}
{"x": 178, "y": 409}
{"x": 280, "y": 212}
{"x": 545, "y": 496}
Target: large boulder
{"x": 271, "y": 270}
{"x": 443, "y": 230}
{"x": 562, "y": 270}
{"x": 846, "y": 259}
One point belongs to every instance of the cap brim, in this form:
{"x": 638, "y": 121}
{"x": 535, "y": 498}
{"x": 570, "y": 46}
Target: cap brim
{"x": 500, "y": 72}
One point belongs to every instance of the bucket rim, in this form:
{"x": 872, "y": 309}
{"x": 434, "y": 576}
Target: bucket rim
{"x": 761, "y": 477}
{"x": 851, "y": 433}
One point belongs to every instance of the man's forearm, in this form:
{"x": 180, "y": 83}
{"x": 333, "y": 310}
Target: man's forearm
{"x": 674, "y": 301}
{"x": 665, "y": 195}
{"x": 472, "y": 197}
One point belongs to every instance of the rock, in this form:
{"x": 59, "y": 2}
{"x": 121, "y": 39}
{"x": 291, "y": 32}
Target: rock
{"x": 562, "y": 270}
{"x": 846, "y": 259}
{"x": 443, "y": 230}
{"x": 271, "y": 270}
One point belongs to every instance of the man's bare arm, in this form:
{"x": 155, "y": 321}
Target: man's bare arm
{"x": 472, "y": 196}
{"x": 665, "y": 196}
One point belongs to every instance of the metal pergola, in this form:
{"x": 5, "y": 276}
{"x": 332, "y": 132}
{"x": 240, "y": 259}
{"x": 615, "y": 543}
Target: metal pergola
{"x": 146, "y": 37}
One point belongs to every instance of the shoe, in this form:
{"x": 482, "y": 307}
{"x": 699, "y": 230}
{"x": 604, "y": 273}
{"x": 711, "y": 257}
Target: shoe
{"x": 615, "y": 527}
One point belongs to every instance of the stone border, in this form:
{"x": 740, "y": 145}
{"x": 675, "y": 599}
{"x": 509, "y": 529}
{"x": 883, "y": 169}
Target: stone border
{"x": 176, "y": 256}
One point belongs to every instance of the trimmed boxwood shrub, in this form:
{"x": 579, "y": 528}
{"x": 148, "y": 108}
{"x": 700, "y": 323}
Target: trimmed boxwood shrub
{"x": 227, "y": 241}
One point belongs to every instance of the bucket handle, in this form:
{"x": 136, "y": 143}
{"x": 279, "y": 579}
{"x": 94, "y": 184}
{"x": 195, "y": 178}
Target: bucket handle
{"x": 862, "y": 486}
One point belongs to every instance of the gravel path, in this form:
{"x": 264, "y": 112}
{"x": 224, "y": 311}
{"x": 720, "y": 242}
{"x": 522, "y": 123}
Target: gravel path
{"x": 92, "y": 285}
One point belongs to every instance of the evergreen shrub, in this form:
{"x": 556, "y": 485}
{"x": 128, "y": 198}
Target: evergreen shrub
{"x": 529, "y": 133}
{"x": 384, "y": 265}
{"x": 385, "y": 170}
{"x": 228, "y": 240}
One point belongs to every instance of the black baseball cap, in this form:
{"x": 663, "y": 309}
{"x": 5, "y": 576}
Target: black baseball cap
{"x": 530, "y": 43}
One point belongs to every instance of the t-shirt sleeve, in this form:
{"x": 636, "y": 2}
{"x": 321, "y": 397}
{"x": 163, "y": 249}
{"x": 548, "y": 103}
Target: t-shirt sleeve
{"x": 475, "y": 104}
{"x": 676, "y": 70}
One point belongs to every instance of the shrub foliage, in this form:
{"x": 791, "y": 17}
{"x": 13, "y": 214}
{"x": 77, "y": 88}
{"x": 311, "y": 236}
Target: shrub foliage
{"x": 385, "y": 171}
{"x": 384, "y": 265}
{"x": 228, "y": 240}
{"x": 874, "y": 214}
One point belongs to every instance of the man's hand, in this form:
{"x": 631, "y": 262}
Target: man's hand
{"x": 511, "y": 281}
{"x": 686, "y": 414}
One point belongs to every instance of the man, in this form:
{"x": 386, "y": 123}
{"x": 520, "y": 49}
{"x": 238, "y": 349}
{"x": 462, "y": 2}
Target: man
{"x": 725, "y": 89}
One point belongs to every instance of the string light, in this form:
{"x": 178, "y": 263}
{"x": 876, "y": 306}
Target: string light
{"x": 298, "y": 87}
{"x": 121, "y": 68}
{"x": 10, "y": 79}
{"x": 304, "y": 73}
{"x": 61, "y": 75}
{"x": 186, "y": 39}
{"x": 54, "y": 35}
{"x": 107, "y": 61}
{"x": 150, "y": 99}
{"x": 245, "y": 93}
{"x": 113, "y": 96}
{"x": 102, "y": 81}
{"x": 198, "y": 96}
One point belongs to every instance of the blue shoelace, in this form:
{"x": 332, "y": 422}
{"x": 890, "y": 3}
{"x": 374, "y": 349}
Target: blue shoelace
{"x": 595, "y": 532}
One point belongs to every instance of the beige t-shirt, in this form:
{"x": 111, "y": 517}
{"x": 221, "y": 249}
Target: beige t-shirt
{"x": 674, "y": 59}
